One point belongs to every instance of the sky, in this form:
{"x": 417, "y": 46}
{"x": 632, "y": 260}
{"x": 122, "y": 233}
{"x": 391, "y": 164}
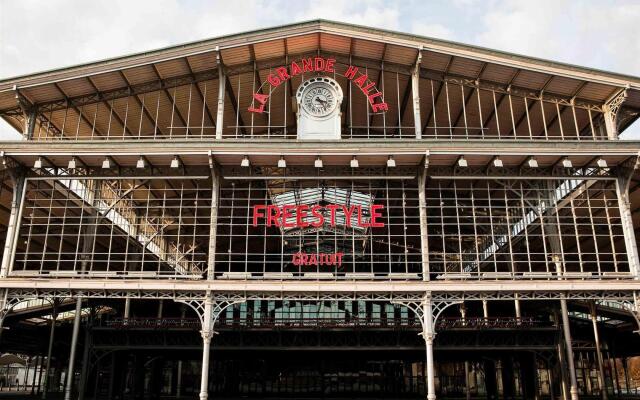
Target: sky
{"x": 37, "y": 35}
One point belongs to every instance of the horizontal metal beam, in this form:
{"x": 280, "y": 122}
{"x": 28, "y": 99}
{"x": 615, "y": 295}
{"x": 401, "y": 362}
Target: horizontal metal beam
{"x": 553, "y": 172}
{"x": 508, "y": 89}
{"x": 301, "y": 286}
{"x": 247, "y": 348}
{"x": 114, "y": 177}
{"x": 314, "y": 148}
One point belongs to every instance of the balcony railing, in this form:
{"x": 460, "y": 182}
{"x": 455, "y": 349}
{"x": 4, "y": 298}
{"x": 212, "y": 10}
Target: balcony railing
{"x": 312, "y": 322}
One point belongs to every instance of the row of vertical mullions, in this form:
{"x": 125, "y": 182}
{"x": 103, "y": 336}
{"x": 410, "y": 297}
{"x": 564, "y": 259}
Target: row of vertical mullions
{"x": 578, "y": 217}
{"x": 564, "y": 115}
{"x": 273, "y": 94}
{"x": 260, "y": 311}
{"x": 60, "y": 206}
{"x": 48, "y": 223}
{"x": 232, "y": 200}
{"x": 567, "y": 218}
{"x": 594, "y": 236}
{"x": 451, "y": 125}
{"x": 121, "y": 117}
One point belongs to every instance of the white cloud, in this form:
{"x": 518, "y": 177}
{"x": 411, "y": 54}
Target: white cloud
{"x": 601, "y": 35}
{"x": 67, "y": 32}
{"x": 432, "y": 30}
{"x": 37, "y": 35}
{"x": 632, "y": 132}
{"x": 532, "y": 28}
{"x": 361, "y": 12}
{"x": 616, "y": 30}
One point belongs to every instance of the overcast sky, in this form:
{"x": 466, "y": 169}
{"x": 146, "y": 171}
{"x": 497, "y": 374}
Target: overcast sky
{"x": 37, "y": 35}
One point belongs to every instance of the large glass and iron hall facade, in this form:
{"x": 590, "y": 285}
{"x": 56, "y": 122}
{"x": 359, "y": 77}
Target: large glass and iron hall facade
{"x": 502, "y": 190}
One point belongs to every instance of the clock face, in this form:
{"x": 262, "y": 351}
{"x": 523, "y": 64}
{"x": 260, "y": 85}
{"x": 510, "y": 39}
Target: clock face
{"x": 319, "y": 99}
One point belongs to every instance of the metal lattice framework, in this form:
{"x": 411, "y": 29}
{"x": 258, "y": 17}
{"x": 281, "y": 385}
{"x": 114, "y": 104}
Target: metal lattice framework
{"x": 498, "y": 227}
{"x": 18, "y": 295}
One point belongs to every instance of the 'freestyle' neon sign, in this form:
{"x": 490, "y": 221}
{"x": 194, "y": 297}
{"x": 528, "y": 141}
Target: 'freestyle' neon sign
{"x": 321, "y": 64}
{"x": 297, "y": 216}
{"x": 304, "y": 216}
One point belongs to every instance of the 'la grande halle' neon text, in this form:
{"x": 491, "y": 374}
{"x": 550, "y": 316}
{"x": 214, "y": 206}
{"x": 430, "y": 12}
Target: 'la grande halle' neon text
{"x": 327, "y": 65}
{"x": 295, "y": 216}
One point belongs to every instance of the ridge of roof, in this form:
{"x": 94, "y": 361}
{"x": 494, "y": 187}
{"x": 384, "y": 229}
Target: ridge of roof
{"x": 420, "y": 42}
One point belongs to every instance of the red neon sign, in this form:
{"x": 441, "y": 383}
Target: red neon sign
{"x": 283, "y": 217}
{"x": 317, "y": 259}
{"x": 320, "y": 64}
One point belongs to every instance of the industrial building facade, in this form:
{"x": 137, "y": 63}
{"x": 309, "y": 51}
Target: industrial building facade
{"x": 322, "y": 210}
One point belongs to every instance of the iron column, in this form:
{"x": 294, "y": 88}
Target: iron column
{"x": 569, "y": 348}
{"x": 74, "y": 343}
{"x": 415, "y": 91}
{"x": 207, "y": 334}
{"x": 596, "y": 337}
{"x": 52, "y": 333}
{"x": 222, "y": 80}
{"x": 428, "y": 335}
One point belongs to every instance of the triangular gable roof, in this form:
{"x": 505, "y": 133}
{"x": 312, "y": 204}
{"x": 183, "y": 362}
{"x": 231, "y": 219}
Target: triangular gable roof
{"x": 268, "y": 47}
{"x": 335, "y": 27}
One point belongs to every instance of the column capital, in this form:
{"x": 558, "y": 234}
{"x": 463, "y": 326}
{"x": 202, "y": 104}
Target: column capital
{"x": 428, "y": 337}
{"x": 612, "y": 109}
{"x": 207, "y": 335}
{"x": 426, "y": 300}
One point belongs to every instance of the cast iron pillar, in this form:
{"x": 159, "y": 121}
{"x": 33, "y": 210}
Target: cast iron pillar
{"x": 208, "y": 310}
{"x": 596, "y": 336}
{"x": 17, "y": 175}
{"x": 213, "y": 222}
{"x": 573, "y": 390}
{"x": 428, "y": 310}
{"x": 222, "y": 81}
{"x": 415, "y": 91}
{"x": 422, "y": 203}
{"x": 623, "y": 182}
{"x": 207, "y": 334}
{"x": 72, "y": 353}
{"x": 428, "y": 334}
{"x": 54, "y": 315}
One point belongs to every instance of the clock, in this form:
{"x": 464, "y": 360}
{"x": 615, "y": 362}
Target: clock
{"x": 319, "y": 99}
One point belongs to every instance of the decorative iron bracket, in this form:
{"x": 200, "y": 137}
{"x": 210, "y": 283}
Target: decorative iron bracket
{"x": 217, "y": 307}
{"x": 418, "y": 307}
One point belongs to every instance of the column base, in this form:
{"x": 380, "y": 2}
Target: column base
{"x": 574, "y": 393}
